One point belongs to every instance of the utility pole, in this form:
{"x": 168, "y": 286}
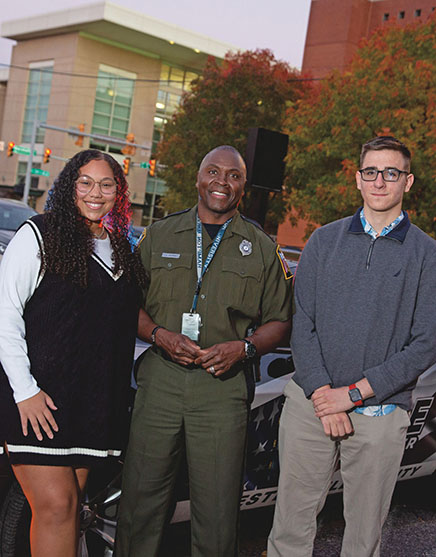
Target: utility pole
{"x": 26, "y": 190}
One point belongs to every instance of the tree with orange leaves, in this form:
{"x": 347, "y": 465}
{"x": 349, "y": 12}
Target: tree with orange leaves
{"x": 389, "y": 89}
{"x": 248, "y": 89}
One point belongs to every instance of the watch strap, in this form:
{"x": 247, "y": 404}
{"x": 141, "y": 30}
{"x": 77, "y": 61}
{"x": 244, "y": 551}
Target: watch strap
{"x": 153, "y": 333}
{"x": 355, "y": 395}
{"x": 250, "y": 349}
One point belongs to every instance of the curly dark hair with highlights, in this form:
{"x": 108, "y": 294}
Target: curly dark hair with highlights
{"x": 68, "y": 240}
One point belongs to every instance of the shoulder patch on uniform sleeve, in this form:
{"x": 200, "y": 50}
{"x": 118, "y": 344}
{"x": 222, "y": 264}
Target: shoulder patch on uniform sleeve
{"x": 142, "y": 237}
{"x": 285, "y": 267}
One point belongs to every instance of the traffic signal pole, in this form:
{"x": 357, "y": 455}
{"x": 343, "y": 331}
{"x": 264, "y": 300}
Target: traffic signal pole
{"x": 71, "y": 131}
{"x": 26, "y": 189}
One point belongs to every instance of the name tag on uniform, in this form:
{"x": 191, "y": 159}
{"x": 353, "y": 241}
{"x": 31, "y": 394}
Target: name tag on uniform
{"x": 171, "y": 255}
{"x": 191, "y": 323}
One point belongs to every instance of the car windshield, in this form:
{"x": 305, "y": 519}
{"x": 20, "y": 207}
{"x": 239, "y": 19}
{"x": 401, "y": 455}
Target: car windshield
{"x": 12, "y": 216}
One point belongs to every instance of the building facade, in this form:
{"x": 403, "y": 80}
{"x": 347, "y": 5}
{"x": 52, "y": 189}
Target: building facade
{"x": 334, "y": 31}
{"x": 336, "y": 27}
{"x": 107, "y": 70}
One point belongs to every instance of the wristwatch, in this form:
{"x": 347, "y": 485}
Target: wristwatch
{"x": 250, "y": 349}
{"x": 355, "y": 395}
{"x": 153, "y": 333}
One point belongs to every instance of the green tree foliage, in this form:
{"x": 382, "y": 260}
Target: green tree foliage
{"x": 390, "y": 89}
{"x": 248, "y": 89}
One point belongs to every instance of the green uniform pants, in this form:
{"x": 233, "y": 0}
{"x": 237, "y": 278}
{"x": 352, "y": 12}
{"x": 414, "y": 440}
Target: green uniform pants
{"x": 176, "y": 406}
{"x": 370, "y": 460}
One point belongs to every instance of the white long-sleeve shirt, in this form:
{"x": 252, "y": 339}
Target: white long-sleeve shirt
{"x": 19, "y": 278}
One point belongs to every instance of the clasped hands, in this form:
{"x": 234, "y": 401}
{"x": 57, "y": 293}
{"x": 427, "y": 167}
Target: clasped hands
{"x": 330, "y": 406}
{"x": 216, "y": 359}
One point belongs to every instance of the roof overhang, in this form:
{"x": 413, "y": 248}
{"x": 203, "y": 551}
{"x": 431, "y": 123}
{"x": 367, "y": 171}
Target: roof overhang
{"x": 116, "y": 25}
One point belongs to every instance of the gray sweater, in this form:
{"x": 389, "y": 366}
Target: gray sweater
{"x": 365, "y": 308}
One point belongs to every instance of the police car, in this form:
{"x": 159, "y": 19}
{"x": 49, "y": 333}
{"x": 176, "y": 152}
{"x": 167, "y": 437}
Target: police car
{"x": 12, "y": 214}
{"x": 98, "y": 516}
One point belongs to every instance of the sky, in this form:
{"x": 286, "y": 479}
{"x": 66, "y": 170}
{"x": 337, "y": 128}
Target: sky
{"x": 279, "y": 25}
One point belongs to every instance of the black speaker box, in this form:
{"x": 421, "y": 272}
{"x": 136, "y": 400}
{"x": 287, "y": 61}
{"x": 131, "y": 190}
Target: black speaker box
{"x": 264, "y": 157}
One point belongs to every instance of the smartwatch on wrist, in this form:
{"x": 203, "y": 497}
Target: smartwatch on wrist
{"x": 250, "y": 349}
{"x": 355, "y": 395}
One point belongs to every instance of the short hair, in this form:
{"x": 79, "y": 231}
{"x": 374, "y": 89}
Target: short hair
{"x": 224, "y": 148}
{"x": 385, "y": 142}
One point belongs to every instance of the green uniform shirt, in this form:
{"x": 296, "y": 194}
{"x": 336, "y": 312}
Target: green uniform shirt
{"x": 238, "y": 291}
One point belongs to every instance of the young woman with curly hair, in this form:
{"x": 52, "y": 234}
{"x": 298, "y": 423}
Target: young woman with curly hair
{"x": 69, "y": 296}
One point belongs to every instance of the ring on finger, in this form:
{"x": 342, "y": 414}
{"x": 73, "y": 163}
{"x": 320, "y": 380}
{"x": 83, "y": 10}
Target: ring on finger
{"x": 212, "y": 370}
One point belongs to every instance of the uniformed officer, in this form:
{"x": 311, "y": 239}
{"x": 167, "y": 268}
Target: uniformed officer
{"x": 214, "y": 276}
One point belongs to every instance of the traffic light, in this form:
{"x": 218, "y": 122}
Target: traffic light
{"x": 46, "y": 156}
{"x": 79, "y": 140}
{"x": 11, "y": 146}
{"x": 126, "y": 165}
{"x": 152, "y": 167}
{"x": 129, "y": 149}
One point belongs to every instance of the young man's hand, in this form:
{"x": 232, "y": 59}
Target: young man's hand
{"x": 337, "y": 426}
{"x": 331, "y": 401}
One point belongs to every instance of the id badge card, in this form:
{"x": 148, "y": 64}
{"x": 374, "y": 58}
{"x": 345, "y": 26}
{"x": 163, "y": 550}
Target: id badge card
{"x": 191, "y": 323}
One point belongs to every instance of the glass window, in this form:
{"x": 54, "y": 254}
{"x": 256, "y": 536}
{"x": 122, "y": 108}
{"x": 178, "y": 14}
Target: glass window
{"x": 385, "y": 17}
{"x": 112, "y": 107}
{"x": 164, "y": 74}
{"x": 418, "y": 13}
{"x": 21, "y": 175}
{"x": 401, "y": 15}
{"x": 176, "y": 78}
{"x": 173, "y": 81}
{"x": 189, "y": 77}
{"x": 155, "y": 190}
{"x": 37, "y": 100}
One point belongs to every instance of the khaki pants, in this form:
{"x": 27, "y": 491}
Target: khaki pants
{"x": 174, "y": 407}
{"x": 370, "y": 460}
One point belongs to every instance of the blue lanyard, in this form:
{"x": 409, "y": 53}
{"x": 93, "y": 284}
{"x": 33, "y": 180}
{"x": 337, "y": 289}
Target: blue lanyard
{"x": 201, "y": 269}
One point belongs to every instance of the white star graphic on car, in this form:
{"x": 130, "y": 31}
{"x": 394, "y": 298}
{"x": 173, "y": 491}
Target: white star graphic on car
{"x": 274, "y": 412}
{"x": 259, "y": 418}
{"x": 260, "y": 448}
{"x": 260, "y": 468}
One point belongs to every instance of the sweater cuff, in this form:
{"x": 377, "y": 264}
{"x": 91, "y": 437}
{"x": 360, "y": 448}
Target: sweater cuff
{"x": 309, "y": 385}
{"x": 380, "y": 384}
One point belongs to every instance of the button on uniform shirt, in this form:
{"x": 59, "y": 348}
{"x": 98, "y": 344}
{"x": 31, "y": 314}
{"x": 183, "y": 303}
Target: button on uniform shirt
{"x": 237, "y": 292}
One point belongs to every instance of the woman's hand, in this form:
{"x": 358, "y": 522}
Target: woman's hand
{"x": 37, "y": 410}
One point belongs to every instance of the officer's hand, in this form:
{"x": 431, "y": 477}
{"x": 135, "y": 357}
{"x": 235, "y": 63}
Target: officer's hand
{"x": 219, "y": 358}
{"x": 337, "y": 426}
{"x": 180, "y": 348}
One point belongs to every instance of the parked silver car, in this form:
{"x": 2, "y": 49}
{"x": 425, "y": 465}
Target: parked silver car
{"x": 12, "y": 215}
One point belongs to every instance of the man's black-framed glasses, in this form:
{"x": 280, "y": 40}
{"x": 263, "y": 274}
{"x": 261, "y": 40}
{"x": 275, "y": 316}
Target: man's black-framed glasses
{"x": 389, "y": 174}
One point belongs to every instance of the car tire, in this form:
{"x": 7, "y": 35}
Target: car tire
{"x": 15, "y": 518}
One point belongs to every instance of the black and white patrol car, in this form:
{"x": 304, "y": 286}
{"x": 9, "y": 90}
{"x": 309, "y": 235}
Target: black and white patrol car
{"x": 273, "y": 371}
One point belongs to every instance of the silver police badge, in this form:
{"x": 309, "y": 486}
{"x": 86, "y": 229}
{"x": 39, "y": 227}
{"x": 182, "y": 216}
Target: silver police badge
{"x": 245, "y": 247}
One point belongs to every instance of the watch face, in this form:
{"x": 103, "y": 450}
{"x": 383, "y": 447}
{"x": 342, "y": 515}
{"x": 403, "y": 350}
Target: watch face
{"x": 355, "y": 395}
{"x": 250, "y": 349}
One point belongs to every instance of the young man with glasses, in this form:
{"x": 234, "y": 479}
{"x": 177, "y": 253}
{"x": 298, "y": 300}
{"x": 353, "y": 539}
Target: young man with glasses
{"x": 364, "y": 329}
